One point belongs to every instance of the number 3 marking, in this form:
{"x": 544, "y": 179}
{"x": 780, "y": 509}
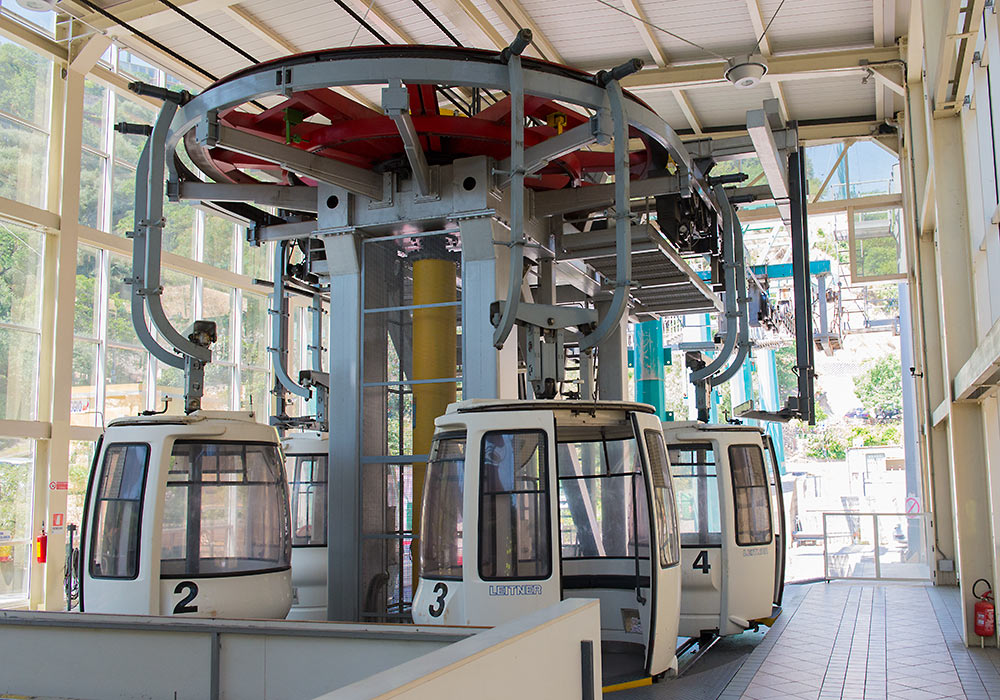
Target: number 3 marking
{"x": 182, "y": 605}
{"x": 442, "y": 590}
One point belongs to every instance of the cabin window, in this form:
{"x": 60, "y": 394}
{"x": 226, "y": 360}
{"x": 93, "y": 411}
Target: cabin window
{"x": 750, "y": 493}
{"x": 441, "y": 517}
{"x": 663, "y": 500}
{"x": 514, "y": 526}
{"x": 696, "y": 483}
{"x": 603, "y": 511}
{"x": 115, "y": 543}
{"x": 225, "y": 510}
{"x": 309, "y": 502}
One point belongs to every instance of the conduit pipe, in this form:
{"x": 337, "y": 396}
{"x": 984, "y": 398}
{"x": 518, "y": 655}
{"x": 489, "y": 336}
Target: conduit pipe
{"x": 152, "y": 226}
{"x": 743, "y": 303}
{"x": 729, "y": 267}
{"x": 515, "y": 76}
{"x": 623, "y": 237}
{"x": 277, "y": 348}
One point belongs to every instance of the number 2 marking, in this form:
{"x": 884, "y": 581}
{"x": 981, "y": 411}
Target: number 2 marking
{"x": 182, "y": 605}
{"x": 701, "y": 562}
{"x": 442, "y": 590}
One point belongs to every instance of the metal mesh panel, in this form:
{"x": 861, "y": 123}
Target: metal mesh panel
{"x": 388, "y": 414}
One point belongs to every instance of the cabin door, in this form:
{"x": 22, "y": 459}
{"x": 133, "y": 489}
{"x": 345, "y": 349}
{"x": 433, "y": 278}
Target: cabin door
{"x": 778, "y": 506}
{"x": 664, "y": 545}
{"x": 512, "y": 562}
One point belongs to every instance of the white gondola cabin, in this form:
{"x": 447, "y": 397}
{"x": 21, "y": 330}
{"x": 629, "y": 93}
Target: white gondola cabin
{"x": 528, "y": 503}
{"x": 306, "y": 456}
{"x": 187, "y": 515}
{"x": 731, "y": 521}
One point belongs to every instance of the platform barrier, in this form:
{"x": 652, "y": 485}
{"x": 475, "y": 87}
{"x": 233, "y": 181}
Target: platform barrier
{"x": 85, "y": 656}
{"x": 552, "y": 653}
{"x": 876, "y": 546}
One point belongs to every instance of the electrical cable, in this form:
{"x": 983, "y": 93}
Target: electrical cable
{"x": 145, "y": 37}
{"x": 204, "y": 27}
{"x": 764, "y": 33}
{"x": 437, "y": 22}
{"x": 357, "y": 31}
{"x": 661, "y": 29}
{"x": 361, "y": 20}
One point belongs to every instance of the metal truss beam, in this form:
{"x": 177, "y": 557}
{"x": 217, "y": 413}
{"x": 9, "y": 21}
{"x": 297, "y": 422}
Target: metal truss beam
{"x": 299, "y": 197}
{"x": 350, "y": 177}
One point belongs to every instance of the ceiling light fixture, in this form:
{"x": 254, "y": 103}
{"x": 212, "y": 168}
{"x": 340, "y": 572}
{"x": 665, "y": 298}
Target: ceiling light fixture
{"x": 746, "y": 71}
{"x": 37, "y": 5}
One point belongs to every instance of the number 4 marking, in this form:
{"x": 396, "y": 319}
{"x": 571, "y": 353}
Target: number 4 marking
{"x": 701, "y": 562}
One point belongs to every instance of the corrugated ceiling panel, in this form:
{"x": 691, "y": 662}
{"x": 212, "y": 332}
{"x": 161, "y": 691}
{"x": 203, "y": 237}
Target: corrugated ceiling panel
{"x": 586, "y": 33}
{"x": 206, "y": 51}
{"x": 495, "y": 20}
{"x": 726, "y": 105}
{"x": 408, "y": 17}
{"x": 830, "y": 97}
{"x": 665, "y": 105}
{"x": 722, "y": 26}
{"x": 806, "y": 24}
{"x": 309, "y": 24}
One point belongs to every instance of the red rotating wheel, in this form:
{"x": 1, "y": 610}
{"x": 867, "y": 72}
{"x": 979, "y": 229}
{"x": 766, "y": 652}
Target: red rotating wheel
{"x": 326, "y": 123}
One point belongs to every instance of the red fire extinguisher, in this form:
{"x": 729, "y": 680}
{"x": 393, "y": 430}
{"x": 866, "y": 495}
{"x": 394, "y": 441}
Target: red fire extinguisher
{"x": 985, "y": 615}
{"x": 41, "y": 546}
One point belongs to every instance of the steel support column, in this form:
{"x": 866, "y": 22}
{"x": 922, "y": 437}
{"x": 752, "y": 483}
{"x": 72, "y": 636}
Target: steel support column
{"x": 612, "y": 358}
{"x": 345, "y": 449}
{"x": 488, "y": 373}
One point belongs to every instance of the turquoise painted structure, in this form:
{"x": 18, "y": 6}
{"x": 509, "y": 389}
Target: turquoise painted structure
{"x": 767, "y": 374}
{"x": 650, "y": 366}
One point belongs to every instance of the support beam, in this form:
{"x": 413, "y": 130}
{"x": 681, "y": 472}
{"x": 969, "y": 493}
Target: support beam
{"x": 353, "y": 178}
{"x": 685, "y": 104}
{"x": 297, "y": 197}
{"x": 649, "y": 39}
{"x": 757, "y": 20}
{"x": 771, "y": 159}
{"x": 787, "y": 67}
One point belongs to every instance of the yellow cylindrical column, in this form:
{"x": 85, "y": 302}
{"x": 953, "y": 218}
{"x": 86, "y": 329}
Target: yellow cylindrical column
{"x": 435, "y": 336}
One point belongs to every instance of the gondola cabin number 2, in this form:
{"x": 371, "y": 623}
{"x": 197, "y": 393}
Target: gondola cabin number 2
{"x": 188, "y": 590}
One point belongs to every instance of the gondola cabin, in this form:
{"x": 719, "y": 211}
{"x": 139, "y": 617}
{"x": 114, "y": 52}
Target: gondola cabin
{"x": 187, "y": 515}
{"x": 527, "y": 503}
{"x": 731, "y": 520}
{"x": 306, "y": 455}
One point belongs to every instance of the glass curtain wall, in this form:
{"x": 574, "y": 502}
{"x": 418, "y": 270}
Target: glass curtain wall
{"x": 208, "y": 273}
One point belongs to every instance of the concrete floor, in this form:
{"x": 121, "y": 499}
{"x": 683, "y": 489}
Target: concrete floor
{"x": 851, "y": 641}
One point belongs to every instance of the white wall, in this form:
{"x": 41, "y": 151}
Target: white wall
{"x": 536, "y": 656}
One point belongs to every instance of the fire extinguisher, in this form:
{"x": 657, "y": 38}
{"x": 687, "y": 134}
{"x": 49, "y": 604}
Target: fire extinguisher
{"x": 41, "y": 546}
{"x": 985, "y": 615}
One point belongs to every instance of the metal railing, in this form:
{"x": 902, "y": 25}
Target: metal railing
{"x": 876, "y": 546}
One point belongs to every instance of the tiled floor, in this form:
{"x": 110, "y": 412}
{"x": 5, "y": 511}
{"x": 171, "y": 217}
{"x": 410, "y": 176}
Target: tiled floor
{"x": 869, "y": 642}
{"x": 848, "y": 641}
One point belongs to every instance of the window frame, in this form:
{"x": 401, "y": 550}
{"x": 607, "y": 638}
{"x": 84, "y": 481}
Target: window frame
{"x": 634, "y": 476}
{"x": 282, "y": 483}
{"x": 704, "y": 536}
{"x": 544, "y": 447}
{"x": 450, "y": 435}
{"x": 767, "y": 493}
{"x": 97, "y": 501}
{"x": 298, "y": 458}
{"x": 669, "y": 488}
